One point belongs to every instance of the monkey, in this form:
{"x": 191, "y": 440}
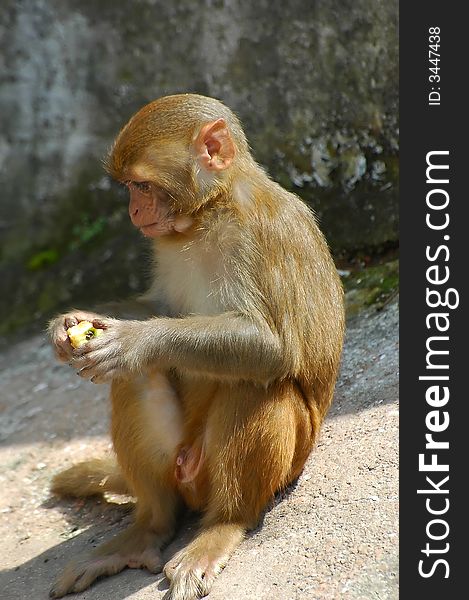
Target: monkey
{"x": 220, "y": 385}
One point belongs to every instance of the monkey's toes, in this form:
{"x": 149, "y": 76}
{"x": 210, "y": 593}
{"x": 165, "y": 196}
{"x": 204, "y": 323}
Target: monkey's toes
{"x": 78, "y": 576}
{"x": 191, "y": 579}
{"x": 171, "y": 566}
{"x": 56, "y": 592}
{"x": 69, "y": 583}
{"x": 66, "y": 582}
{"x": 149, "y": 559}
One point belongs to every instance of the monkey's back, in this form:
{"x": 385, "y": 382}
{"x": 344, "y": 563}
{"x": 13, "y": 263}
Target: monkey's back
{"x": 301, "y": 295}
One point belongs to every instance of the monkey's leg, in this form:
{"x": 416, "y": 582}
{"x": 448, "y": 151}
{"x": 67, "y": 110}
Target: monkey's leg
{"x": 137, "y": 547}
{"x": 256, "y": 442}
{"x": 146, "y": 432}
{"x": 193, "y": 570}
{"x": 90, "y": 478}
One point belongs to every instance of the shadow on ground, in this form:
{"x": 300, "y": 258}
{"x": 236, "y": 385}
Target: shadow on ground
{"x": 96, "y": 522}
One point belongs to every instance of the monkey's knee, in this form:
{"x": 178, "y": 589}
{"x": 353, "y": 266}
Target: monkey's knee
{"x": 258, "y": 452}
{"x": 254, "y": 444}
{"x": 147, "y": 427}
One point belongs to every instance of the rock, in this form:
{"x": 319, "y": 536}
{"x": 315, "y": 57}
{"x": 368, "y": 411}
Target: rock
{"x": 315, "y": 84}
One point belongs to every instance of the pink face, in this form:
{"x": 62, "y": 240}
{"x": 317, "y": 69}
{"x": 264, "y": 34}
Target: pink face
{"x": 149, "y": 211}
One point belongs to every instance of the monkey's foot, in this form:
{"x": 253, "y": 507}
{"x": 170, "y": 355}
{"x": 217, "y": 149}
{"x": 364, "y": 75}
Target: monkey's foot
{"x": 81, "y": 573}
{"x": 193, "y": 569}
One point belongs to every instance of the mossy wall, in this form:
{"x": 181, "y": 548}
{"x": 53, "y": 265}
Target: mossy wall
{"x": 315, "y": 84}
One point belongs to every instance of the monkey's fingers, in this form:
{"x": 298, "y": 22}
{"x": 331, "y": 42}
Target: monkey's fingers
{"x": 76, "y": 316}
{"x": 70, "y": 321}
{"x": 100, "y": 366}
{"x": 62, "y": 347}
{"x": 96, "y": 373}
{"x": 61, "y": 356}
{"x": 102, "y": 323}
{"x": 108, "y": 339}
{"x": 107, "y": 378}
{"x": 96, "y": 344}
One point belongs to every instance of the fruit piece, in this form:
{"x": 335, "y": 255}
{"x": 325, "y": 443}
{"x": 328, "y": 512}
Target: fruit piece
{"x": 82, "y": 333}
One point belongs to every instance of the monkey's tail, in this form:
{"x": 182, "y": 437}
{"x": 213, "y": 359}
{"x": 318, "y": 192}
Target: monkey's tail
{"x": 90, "y": 478}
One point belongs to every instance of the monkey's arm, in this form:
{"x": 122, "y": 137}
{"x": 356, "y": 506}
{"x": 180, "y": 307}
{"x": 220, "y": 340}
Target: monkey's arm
{"x": 139, "y": 308}
{"x": 230, "y": 345}
{"x": 226, "y": 345}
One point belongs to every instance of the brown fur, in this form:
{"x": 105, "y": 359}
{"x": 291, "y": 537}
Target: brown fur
{"x": 247, "y": 343}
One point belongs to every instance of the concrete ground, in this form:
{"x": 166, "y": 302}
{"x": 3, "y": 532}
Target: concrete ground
{"x": 332, "y": 535}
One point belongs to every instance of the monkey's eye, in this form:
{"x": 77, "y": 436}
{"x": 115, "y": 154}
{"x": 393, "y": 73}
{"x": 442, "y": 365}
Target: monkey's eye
{"x": 144, "y": 187}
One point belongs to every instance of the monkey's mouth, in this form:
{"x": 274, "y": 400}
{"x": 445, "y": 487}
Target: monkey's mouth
{"x": 153, "y": 229}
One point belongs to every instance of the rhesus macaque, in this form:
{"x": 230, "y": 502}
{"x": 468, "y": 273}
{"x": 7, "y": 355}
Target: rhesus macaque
{"x": 218, "y": 395}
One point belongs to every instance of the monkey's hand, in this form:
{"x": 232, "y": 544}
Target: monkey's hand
{"x": 109, "y": 356}
{"x": 58, "y": 331}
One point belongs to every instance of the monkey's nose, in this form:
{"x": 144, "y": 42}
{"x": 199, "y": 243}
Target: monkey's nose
{"x": 133, "y": 208}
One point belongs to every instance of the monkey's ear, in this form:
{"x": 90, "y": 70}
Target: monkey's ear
{"x": 214, "y": 146}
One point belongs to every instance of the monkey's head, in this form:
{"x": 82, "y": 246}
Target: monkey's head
{"x": 175, "y": 155}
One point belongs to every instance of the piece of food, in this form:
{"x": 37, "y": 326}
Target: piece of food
{"x": 82, "y": 333}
